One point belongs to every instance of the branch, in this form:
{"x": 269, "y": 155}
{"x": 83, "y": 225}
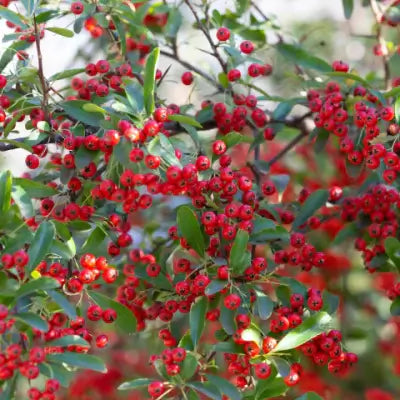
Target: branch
{"x": 299, "y": 123}
{"x": 43, "y": 82}
{"x": 381, "y": 40}
{"x": 191, "y": 67}
{"x": 208, "y": 36}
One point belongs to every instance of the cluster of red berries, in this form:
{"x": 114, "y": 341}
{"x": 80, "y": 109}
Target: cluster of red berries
{"x": 326, "y": 349}
{"x": 377, "y": 210}
{"x": 356, "y": 135}
{"x": 301, "y": 252}
{"x": 50, "y": 388}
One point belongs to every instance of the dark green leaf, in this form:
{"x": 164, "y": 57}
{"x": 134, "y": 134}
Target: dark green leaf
{"x": 225, "y": 387}
{"x": 313, "y": 203}
{"x": 20, "y": 145}
{"x": 121, "y": 33}
{"x": 41, "y": 244}
{"x": 162, "y": 147}
{"x": 35, "y": 189}
{"x": 126, "y": 320}
{"x": 12, "y": 16}
{"x": 61, "y": 31}
{"x": 263, "y": 305}
{"x": 11, "y": 51}
{"x": 322, "y": 138}
{"x": 229, "y": 347}
{"x": 395, "y": 307}
{"x": 74, "y": 109}
{"x": 84, "y": 157}
{"x": 69, "y": 73}
{"x": 184, "y": 119}
{"x": 215, "y": 286}
{"x": 32, "y": 320}
{"x": 58, "y": 372}
{"x": 23, "y": 201}
{"x": 349, "y": 76}
{"x": 197, "y": 319}
{"x": 206, "y": 388}
{"x": 307, "y": 330}
{"x": 189, "y": 227}
{"x": 79, "y": 360}
{"x": 33, "y": 286}
{"x": 135, "y": 384}
{"x": 234, "y": 138}
{"x": 348, "y": 6}
{"x": 149, "y": 80}
{"x": 392, "y": 248}
{"x": 94, "y": 240}
{"x": 189, "y": 367}
{"x": 5, "y": 191}
{"x": 309, "y": 396}
{"x": 302, "y": 57}
{"x": 267, "y": 388}
{"x": 227, "y": 320}
{"x": 70, "y": 340}
{"x": 348, "y": 231}
{"x": 238, "y": 260}
{"x": 63, "y": 302}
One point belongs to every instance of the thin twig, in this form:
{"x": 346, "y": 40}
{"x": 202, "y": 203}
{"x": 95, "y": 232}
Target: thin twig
{"x": 208, "y": 36}
{"x": 43, "y": 82}
{"x": 381, "y": 40}
{"x": 194, "y": 69}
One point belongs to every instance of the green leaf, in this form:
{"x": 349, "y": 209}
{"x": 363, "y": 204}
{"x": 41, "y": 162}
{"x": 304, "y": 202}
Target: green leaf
{"x": 93, "y": 108}
{"x": 63, "y": 302}
{"x": 23, "y": 201}
{"x": 174, "y": 23}
{"x": 150, "y": 80}
{"x": 263, "y": 305}
{"x": 225, "y": 387}
{"x": 349, "y": 76}
{"x": 84, "y": 157}
{"x": 33, "y": 286}
{"x": 322, "y": 138}
{"x": 69, "y": 73}
{"x": 162, "y": 147}
{"x": 94, "y": 240}
{"x": 79, "y": 360}
{"x": 5, "y": 191}
{"x": 314, "y": 202}
{"x": 121, "y": 33}
{"x": 41, "y": 244}
{"x": 348, "y": 6}
{"x": 392, "y": 248}
{"x": 32, "y": 320}
{"x": 13, "y": 17}
{"x": 35, "y": 189}
{"x": 395, "y": 307}
{"x": 189, "y": 367}
{"x": 126, "y": 320}
{"x": 11, "y": 51}
{"x": 184, "y": 119}
{"x": 62, "y": 249}
{"x": 267, "y": 388}
{"x": 307, "y": 330}
{"x": 229, "y": 347}
{"x": 197, "y": 319}
{"x": 392, "y": 93}
{"x": 206, "y": 388}
{"x": 30, "y": 6}
{"x": 58, "y": 372}
{"x": 227, "y": 320}
{"x": 234, "y": 138}
{"x": 397, "y": 110}
{"x": 309, "y": 396}
{"x": 20, "y": 145}
{"x": 348, "y": 231}
{"x": 302, "y": 57}
{"x": 70, "y": 340}
{"x": 74, "y": 109}
{"x": 238, "y": 255}
{"x": 135, "y": 384}
{"x": 189, "y": 227}
{"x": 61, "y": 31}
{"x": 215, "y": 286}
